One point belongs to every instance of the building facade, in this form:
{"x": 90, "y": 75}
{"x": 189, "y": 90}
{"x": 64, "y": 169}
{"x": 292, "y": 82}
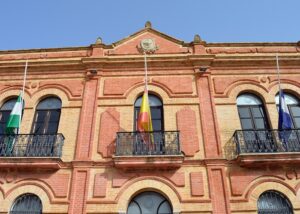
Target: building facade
{"x": 215, "y": 146}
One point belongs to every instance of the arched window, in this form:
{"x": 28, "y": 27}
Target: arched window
{"x": 156, "y": 112}
{"x": 47, "y": 116}
{"x": 252, "y": 112}
{"x": 293, "y": 105}
{"x": 255, "y": 136}
{"x": 273, "y": 202}
{"x": 149, "y": 203}
{"x": 27, "y": 203}
{"x": 5, "y": 112}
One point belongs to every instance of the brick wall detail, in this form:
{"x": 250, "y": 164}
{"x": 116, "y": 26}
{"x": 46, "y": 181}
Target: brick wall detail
{"x": 73, "y": 87}
{"x": 186, "y": 124}
{"x": 100, "y": 185}
{"x": 78, "y": 194}
{"x": 222, "y": 83}
{"x": 209, "y": 125}
{"x": 197, "y": 188}
{"x": 231, "y": 50}
{"x": 235, "y": 50}
{"x": 87, "y": 115}
{"x": 119, "y": 179}
{"x": 44, "y": 55}
{"x": 240, "y": 180}
{"x": 177, "y": 178}
{"x": 3, "y": 86}
{"x": 178, "y": 85}
{"x": 118, "y": 86}
{"x": 109, "y": 126}
{"x": 285, "y": 79}
{"x": 220, "y": 202}
{"x": 58, "y": 183}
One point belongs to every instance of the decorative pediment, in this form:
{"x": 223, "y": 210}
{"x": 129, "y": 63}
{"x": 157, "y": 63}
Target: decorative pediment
{"x": 164, "y": 43}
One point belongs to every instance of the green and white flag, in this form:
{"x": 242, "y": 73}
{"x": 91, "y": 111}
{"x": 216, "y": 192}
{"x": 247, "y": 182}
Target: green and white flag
{"x": 14, "y": 120}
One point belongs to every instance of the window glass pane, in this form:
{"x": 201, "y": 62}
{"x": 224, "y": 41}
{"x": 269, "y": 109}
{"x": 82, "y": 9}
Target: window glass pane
{"x": 5, "y": 112}
{"x": 295, "y": 111}
{"x": 150, "y": 203}
{"x": 41, "y": 116}
{"x": 289, "y": 99}
{"x": 297, "y": 122}
{"x": 39, "y": 122}
{"x": 133, "y": 208}
{"x": 54, "y": 116}
{"x": 47, "y": 116}
{"x": 156, "y": 113}
{"x": 257, "y": 111}
{"x": 248, "y": 99}
{"x": 164, "y": 208}
{"x": 250, "y": 108}
{"x": 39, "y": 128}
{"x": 49, "y": 103}
{"x": 260, "y": 123}
{"x": 247, "y": 124}
{"x": 274, "y": 202}
{"x": 156, "y": 125}
{"x": 8, "y": 105}
{"x": 244, "y": 112}
{"x": 52, "y": 128}
{"x": 4, "y": 115}
{"x": 153, "y": 101}
{"x": 47, "y": 122}
{"x": 27, "y": 203}
{"x": 136, "y": 112}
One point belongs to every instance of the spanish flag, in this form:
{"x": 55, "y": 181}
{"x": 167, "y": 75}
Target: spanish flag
{"x": 144, "y": 123}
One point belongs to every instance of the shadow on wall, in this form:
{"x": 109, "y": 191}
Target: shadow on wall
{"x": 230, "y": 149}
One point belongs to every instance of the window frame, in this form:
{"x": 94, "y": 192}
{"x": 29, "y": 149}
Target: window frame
{"x": 160, "y": 107}
{"x": 290, "y": 106}
{"x": 252, "y": 117}
{"x": 155, "y": 196}
{"x": 7, "y": 113}
{"x": 262, "y": 206}
{"x": 46, "y": 119}
{"x": 26, "y": 196}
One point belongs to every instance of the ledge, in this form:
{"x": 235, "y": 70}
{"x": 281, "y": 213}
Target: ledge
{"x": 148, "y": 162}
{"x": 259, "y": 159}
{"x": 30, "y": 163}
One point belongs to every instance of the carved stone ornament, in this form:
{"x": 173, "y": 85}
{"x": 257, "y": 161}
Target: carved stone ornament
{"x": 148, "y": 45}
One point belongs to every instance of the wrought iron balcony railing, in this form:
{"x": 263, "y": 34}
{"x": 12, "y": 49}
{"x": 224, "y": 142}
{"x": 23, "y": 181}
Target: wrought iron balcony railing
{"x": 148, "y": 143}
{"x": 263, "y": 141}
{"x": 30, "y": 145}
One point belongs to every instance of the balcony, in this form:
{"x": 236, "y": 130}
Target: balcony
{"x": 252, "y": 147}
{"x": 29, "y": 151}
{"x": 148, "y": 150}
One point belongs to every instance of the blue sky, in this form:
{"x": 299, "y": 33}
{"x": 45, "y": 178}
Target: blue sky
{"x": 27, "y": 24}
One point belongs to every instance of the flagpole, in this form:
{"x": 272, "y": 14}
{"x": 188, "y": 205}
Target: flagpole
{"x": 22, "y": 93}
{"x": 278, "y": 72}
{"x": 146, "y": 71}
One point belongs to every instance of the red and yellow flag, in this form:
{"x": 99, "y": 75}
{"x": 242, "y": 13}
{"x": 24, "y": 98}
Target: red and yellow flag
{"x": 144, "y": 123}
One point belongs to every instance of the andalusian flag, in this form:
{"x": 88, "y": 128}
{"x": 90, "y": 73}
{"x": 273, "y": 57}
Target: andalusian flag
{"x": 14, "y": 120}
{"x": 13, "y": 125}
{"x": 144, "y": 120}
